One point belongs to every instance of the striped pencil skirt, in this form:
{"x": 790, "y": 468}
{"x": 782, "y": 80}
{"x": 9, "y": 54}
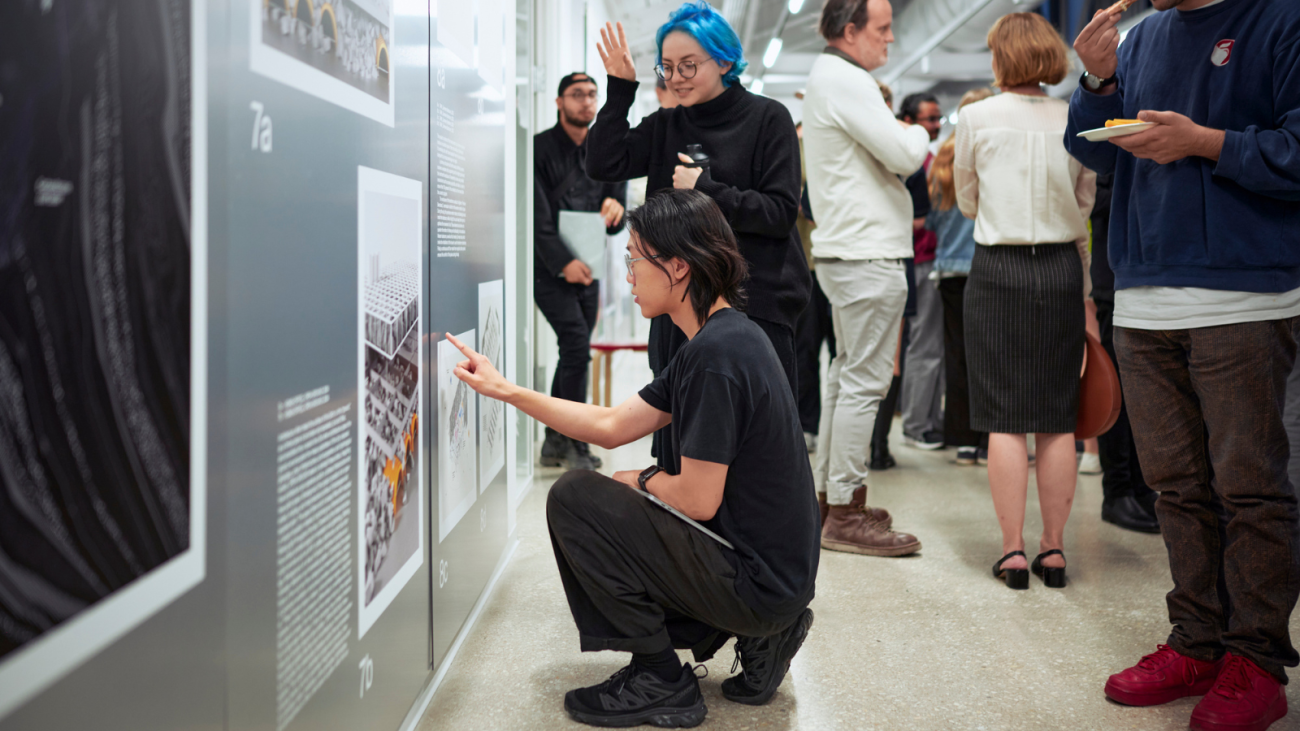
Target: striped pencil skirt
{"x": 1024, "y": 338}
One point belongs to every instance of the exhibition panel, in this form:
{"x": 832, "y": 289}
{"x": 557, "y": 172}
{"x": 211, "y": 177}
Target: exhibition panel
{"x": 105, "y": 550}
{"x": 239, "y": 485}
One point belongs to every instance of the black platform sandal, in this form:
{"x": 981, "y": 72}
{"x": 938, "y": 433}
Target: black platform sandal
{"x": 1015, "y": 578}
{"x": 1053, "y": 578}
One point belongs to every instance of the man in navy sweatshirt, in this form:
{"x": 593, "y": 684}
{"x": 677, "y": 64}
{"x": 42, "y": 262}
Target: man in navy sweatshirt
{"x": 1205, "y": 245}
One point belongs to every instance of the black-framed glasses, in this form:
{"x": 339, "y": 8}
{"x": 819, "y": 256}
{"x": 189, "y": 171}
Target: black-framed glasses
{"x": 579, "y": 96}
{"x": 629, "y": 261}
{"x": 930, "y": 119}
{"x": 686, "y": 69}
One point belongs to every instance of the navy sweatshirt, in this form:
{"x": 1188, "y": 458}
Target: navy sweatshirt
{"x": 1232, "y": 225}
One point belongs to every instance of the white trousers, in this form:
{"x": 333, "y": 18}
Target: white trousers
{"x": 867, "y": 300}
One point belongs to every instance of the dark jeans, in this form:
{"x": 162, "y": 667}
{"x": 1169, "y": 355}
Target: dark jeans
{"x": 666, "y": 339}
{"x": 638, "y": 578}
{"x": 571, "y": 311}
{"x": 1291, "y": 415}
{"x": 1121, "y": 469}
{"x": 956, "y": 401}
{"x": 1206, "y": 406}
{"x": 812, "y": 328}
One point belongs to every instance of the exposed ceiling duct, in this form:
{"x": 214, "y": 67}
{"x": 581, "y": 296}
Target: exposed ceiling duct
{"x": 950, "y": 26}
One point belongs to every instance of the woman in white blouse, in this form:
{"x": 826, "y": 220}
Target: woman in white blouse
{"x": 1025, "y": 295}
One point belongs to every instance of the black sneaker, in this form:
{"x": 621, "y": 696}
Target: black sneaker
{"x": 585, "y": 450}
{"x": 553, "y": 449}
{"x": 634, "y": 696}
{"x": 574, "y": 459}
{"x": 764, "y": 662}
{"x": 929, "y": 441}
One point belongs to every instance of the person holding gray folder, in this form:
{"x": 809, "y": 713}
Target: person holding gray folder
{"x": 572, "y": 214}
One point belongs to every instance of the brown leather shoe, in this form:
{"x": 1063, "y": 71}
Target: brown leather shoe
{"x": 857, "y": 528}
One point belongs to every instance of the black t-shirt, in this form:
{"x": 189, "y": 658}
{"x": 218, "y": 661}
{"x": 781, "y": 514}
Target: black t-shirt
{"x": 731, "y": 404}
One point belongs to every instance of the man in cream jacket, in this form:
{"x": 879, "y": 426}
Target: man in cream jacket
{"x": 856, "y": 152}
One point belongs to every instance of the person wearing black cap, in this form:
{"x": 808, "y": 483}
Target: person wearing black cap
{"x": 565, "y": 289}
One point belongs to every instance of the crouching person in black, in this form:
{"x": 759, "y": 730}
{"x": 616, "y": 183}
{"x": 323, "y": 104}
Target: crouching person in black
{"x": 640, "y": 579}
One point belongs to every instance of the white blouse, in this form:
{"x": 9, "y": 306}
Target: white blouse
{"x": 1014, "y": 177}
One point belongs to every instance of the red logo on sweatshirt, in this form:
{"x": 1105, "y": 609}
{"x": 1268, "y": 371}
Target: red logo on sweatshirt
{"x": 1222, "y": 52}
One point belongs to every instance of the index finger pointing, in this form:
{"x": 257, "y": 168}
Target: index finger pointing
{"x": 469, "y": 352}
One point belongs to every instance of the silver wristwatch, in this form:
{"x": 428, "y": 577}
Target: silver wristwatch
{"x": 1095, "y": 82}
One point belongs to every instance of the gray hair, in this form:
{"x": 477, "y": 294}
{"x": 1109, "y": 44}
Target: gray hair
{"x": 838, "y": 14}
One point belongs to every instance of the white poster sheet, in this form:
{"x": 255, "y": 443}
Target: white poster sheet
{"x": 492, "y": 413}
{"x": 457, "y": 438}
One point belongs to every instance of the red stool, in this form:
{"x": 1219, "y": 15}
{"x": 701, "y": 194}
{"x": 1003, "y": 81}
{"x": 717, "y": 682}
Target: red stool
{"x": 605, "y": 352}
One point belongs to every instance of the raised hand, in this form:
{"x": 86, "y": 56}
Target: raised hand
{"x": 1097, "y": 44}
{"x": 615, "y": 53}
{"x": 479, "y": 373}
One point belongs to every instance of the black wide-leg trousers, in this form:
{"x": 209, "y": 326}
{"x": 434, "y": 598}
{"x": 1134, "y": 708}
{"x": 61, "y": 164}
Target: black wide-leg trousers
{"x": 638, "y": 578}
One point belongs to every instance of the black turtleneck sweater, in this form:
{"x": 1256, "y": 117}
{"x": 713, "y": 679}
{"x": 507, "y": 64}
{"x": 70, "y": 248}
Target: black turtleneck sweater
{"x": 754, "y": 177}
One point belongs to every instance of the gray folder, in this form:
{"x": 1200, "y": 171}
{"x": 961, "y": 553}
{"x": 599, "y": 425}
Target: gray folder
{"x": 584, "y": 233}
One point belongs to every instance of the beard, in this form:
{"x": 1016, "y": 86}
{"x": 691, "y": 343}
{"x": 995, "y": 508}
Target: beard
{"x": 576, "y": 121}
{"x": 1165, "y": 4}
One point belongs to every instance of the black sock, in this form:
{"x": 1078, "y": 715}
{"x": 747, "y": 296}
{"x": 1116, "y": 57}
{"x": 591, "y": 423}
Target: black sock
{"x": 663, "y": 663}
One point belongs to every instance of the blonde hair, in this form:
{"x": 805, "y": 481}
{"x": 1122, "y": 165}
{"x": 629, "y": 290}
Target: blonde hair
{"x": 941, "y": 183}
{"x": 1027, "y": 50}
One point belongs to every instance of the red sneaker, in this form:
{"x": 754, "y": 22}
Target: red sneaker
{"x": 1160, "y": 677}
{"x": 1244, "y": 698}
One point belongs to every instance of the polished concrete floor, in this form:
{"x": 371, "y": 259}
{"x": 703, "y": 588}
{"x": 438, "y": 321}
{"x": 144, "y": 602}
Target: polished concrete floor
{"x": 926, "y": 642}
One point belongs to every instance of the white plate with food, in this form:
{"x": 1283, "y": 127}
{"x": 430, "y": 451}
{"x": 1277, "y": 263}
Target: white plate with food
{"x": 1101, "y": 134}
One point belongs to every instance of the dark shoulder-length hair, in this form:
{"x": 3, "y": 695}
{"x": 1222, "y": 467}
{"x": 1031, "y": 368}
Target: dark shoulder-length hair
{"x": 688, "y": 225}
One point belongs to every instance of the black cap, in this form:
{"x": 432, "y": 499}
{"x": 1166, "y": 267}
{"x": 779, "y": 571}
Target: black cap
{"x": 577, "y": 77}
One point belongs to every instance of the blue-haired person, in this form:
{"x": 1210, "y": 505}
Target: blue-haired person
{"x": 753, "y": 170}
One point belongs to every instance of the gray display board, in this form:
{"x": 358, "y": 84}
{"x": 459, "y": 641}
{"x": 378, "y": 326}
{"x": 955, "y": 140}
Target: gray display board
{"x": 246, "y": 494}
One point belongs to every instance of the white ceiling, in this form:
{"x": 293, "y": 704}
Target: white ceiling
{"x": 959, "y": 63}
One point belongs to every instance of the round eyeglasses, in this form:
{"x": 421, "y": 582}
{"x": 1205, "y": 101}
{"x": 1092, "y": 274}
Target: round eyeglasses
{"x": 686, "y": 69}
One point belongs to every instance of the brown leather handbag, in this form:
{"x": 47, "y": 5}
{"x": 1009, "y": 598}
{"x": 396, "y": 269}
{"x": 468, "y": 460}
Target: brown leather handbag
{"x": 1099, "y": 394}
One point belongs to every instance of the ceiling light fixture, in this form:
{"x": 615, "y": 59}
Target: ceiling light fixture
{"x": 772, "y": 52}
{"x": 795, "y": 6}
{"x": 756, "y": 87}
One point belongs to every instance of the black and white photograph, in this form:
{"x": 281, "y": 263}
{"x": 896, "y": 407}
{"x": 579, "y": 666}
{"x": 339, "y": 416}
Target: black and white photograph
{"x": 102, "y": 328}
{"x": 391, "y": 526}
{"x": 338, "y": 50}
